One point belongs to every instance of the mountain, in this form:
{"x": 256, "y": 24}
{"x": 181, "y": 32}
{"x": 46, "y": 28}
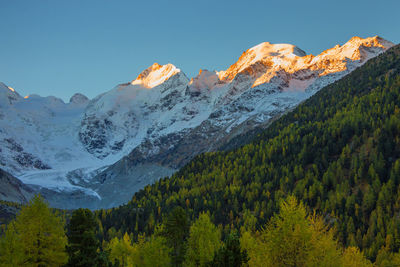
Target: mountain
{"x": 338, "y": 152}
{"x": 214, "y": 107}
{"x": 97, "y": 153}
{"x": 266, "y": 80}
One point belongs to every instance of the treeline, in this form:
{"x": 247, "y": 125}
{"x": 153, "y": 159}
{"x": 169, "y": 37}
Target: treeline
{"x": 338, "y": 153}
{"x": 293, "y": 237}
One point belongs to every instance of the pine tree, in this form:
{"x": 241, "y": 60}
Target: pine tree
{"x": 230, "y": 254}
{"x": 83, "y": 247}
{"x": 35, "y": 238}
{"x": 176, "y": 232}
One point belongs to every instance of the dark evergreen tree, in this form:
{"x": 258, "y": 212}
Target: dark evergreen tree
{"x": 176, "y": 231}
{"x": 83, "y": 246}
{"x": 231, "y": 254}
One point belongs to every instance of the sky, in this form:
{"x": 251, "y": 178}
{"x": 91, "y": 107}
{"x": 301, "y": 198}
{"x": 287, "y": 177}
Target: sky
{"x": 59, "y": 47}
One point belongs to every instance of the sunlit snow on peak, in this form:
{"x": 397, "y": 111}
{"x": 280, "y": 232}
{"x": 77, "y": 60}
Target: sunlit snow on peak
{"x": 155, "y": 75}
{"x": 268, "y": 49}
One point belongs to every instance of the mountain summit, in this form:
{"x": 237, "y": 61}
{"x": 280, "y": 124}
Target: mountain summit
{"x": 79, "y": 99}
{"x": 267, "y": 54}
{"x": 264, "y": 61}
{"x": 155, "y": 75}
{"x": 8, "y": 95}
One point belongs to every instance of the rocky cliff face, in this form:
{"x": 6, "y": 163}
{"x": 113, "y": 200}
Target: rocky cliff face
{"x": 12, "y": 189}
{"x": 160, "y": 120}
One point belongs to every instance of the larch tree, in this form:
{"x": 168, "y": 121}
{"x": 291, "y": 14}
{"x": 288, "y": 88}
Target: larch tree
{"x": 36, "y": 237}
{"x": 11, "y": 253}
{"x": 353, "y": 257}
{"x": 203, "y": 242}
{"x": 293, "y": 238}
{"x": 152, "y": 252}
{"x": 121, "y": 250}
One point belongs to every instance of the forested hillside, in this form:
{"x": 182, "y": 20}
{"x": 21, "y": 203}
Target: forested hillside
{"x": 338, "y": 152}
{"x": 319, "y": 187}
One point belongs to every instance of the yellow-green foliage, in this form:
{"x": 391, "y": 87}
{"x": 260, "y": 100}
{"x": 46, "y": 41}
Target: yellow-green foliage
{"x": 353, "y": 257}
{"x": 294, "y": 238}
{"x": 387, "y": 259}
{"x": 35, "y": 238}
{"x": 204, "y": 240}
{"x": 11, "y": 252}
{"x": 151, "y": 252}
{"x": 121, "y": 250}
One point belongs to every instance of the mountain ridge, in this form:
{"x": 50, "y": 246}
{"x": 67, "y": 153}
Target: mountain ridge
{"x": 162, "y": 118}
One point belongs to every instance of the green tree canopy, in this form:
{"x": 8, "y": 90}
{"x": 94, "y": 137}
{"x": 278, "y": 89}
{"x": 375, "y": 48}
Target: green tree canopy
{"x": 152, "y": 252}
{"x": 294, "y": 238}
{"x": 83, "y": 246}
{"x": 204, "y": 240}
{"x": 176, "y": 231}
{"x": 230, "y": 254}
{"x": 35, "y": 238}
{"x": 121, "y": 251}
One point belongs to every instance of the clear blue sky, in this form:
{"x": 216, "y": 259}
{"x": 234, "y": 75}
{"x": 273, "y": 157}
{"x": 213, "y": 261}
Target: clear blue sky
{"x": 62, "y": 47}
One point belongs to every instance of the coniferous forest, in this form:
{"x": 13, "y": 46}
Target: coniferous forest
{"x": 319, "y": 187}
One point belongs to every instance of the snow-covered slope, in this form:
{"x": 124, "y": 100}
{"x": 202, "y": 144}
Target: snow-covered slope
{"x": 39, "y": 138}
{"x": 156, "y": 123}
{"x": 266, "y": 80}
{"x": 120, "y": 119}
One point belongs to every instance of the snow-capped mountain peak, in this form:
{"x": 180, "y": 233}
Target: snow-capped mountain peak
{"x": 357, "y": 49}
{"x": 267, "y": 55}
{"x": 205, "y": 80}
{"x": 8, "y": 87}
{"x": 8, "y": 95}
{"x": 263, "y": 62}
{"x": 282, "y": 50}
{"x": 351, "y": 49}
{"x": 5, "y": 87}
{"x": 155, "y": 75}
{"x": 79, "y": 99}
